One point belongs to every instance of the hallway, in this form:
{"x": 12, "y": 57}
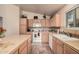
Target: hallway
{"x": 38, "y": 48}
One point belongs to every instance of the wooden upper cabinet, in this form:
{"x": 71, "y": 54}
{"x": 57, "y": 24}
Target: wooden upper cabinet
{"x": 56, "y": 21}
{"x": 23, "y": 25}
{"x": 23, "y": 21}
{"x": 47, "y": 23}
{"x": 30, "y": 22}
{"x": 43, "y": 23}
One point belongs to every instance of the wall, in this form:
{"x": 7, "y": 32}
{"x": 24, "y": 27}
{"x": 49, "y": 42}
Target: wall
{"x": 30, "y": 15}
{"x": 63, "y": 12}
{"x": 10, "y": 14}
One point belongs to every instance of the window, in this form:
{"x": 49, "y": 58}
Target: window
{"x": 1, "y": 22}
{"x": 77, "y": 17}
{"x": 72, "y": 18}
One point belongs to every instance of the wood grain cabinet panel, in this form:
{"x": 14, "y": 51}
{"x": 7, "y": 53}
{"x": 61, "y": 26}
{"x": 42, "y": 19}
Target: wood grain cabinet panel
{"x": 30, "y": 22}
{"x": 23, "y": 48}
{"x": 45, "y": 37}
{"x": 47, "y": 24}
{"x": 60, "y": 48}
{"x": 54, "y": 45}
{"x": 56, "y": 20}
{"x": 29, "y": 45}
{"x": 57, "y": 46}
{"x": 68, "y": 50}
{"x": 23, "y": 29}
{"x": 23, "y": 21}
{"x": 43, "y": 23}
{"x": 23, "y": 26}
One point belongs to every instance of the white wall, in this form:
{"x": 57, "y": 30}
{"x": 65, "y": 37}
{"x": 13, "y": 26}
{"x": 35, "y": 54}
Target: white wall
{"x": 10, "y": 14}
{"x": 30, "y": 15}
{"x": 63, "y": 12}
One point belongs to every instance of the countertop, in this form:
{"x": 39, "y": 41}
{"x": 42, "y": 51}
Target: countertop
{"x": 9, "y": 44}
{"x": 72, "y": 42}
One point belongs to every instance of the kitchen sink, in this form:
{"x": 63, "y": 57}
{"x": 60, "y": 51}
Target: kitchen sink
{"x": 65, "y": 37}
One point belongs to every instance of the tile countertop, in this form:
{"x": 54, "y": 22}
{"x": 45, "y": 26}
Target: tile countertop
{"x": 9, "y": 44}
{"x": 72, "y": 42}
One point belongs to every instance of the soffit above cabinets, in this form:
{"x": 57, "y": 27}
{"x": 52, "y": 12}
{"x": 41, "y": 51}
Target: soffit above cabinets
{"x": 48, "y": 9}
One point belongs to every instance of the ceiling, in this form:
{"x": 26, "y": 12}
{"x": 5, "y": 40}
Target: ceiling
{"x": 48, "y": 9}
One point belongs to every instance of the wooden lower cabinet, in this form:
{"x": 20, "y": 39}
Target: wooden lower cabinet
{"x": 69, "y": 50}
{"x": 14, "y": 52}
{"x": 23, "y": 29}
{"x": 23, "y": 48}
{"x": 54, "y": 45}
{"x": 60, "y": 48}
{"x": 57, "y": 46}
{"x": 26, "y": 47}
{"x": 29, "y": 46}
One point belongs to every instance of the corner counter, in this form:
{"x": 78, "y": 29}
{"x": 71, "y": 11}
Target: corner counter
{"x": 63, "y": 44}
{"x": 13, "y": 43}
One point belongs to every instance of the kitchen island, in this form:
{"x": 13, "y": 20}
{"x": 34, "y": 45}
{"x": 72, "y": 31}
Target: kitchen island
{"x": 15, "y": 44}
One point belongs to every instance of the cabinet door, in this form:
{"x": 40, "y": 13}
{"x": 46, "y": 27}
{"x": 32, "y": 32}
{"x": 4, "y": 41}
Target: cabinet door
{"x": 47, "y": 23}
{"x": 23, "y": 21}
{"x": 54, "y": 45}
{"x": 23, "y": 25}
{"x": 30, "y": 22}
{"x": 23, "y": 29}
{"x": 68, "y": 50}
{"x": 60, "y": 46}
{"x": 23, "y": 48}
{"x": 45, "y": 37}
{"x": 51, "y": 22}
{"x": 43, "y": 23}
{"x": 57, "y": 46}
{"x": 29, "y": 45}
{"x": 56, "y": 21}
{"x": 59, "y": 49}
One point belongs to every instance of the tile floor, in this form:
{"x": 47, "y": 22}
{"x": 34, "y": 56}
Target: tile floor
{"x": 40, "y": 48}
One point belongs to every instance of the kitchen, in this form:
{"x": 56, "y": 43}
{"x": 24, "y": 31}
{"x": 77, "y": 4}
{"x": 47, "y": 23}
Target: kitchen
{"x": 39, "y": 29}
